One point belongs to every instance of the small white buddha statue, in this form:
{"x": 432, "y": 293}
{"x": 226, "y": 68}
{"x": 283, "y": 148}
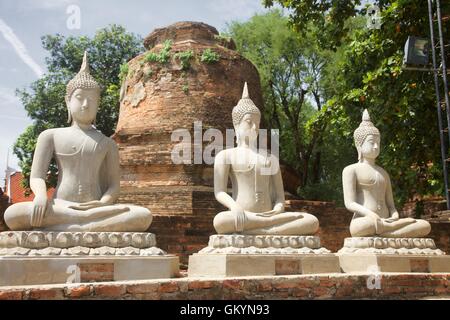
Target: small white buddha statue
{"x": 88, "y": 174}
{"x": 256, "y": 206}
{"x": 368, "y": 192}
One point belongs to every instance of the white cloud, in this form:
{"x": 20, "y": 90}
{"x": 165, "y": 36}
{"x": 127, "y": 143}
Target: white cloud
{"x": 13, "y": 121}
{"x": 46, "y": 4}
{"x": 235, "y": 9}
{"x": 14, "y": 118}
{"x": 11, "y": 106}
{"x": 6, "y": 146}
{"x": 20, "y": 48}
{"x": 7, "y": 97}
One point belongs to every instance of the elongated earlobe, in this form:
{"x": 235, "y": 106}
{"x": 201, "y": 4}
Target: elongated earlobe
{"x": 69, "y": 116}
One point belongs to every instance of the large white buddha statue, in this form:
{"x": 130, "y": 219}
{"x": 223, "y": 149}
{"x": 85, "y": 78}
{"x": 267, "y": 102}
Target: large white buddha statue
{"x": 368, "y": 192}
{"x": 256, "y": 206}
{"x": 88, "y": 174}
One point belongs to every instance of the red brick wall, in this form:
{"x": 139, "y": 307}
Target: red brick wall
{"x": 334, "y": 222}
{"x": 429, "y": 207}
{"x": 17, "y": 192}
{"x": 182, "y": 235}
{"x": 344, "y": 286}
{"x": 440, "y": 232}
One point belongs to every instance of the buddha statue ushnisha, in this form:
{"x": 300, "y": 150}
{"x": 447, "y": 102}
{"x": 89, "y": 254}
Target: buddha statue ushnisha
{"x": 88, "y": 174}
{"x": 256, "y": 206}
{"x": 368, "y": 192}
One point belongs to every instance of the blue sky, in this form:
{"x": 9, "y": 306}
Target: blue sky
{"x": 23, "y": 22}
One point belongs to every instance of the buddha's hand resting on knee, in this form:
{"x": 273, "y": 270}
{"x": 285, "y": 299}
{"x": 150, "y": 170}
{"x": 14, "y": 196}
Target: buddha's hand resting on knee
{"x": 89, "y": 205}
{"x": 39, "y": 210}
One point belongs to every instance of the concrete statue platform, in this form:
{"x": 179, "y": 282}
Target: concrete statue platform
{"x": 266, "y": 244}
{"x": 245, "y": 255}
{"x": 16, "y": 271}
{"x": 380, "y": 245}
{"x": 33, "y": 257}
{"x": 377, "y": 254}
{"x": 36, "y": 243}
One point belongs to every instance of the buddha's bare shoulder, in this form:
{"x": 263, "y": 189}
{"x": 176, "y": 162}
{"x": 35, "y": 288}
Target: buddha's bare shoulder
{"x": 270, "y": 156}
{"x": 48, "y": 134}
{"x": 105, "y": 141}
{"x": 383, "y": 172}
{"x": 350, "y": 169}
{"x": 57, "y": 131}
{"x": 223, "y": 156}
{"x": 110, "y": 142}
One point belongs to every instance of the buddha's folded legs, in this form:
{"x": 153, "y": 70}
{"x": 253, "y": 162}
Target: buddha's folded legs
{"x": 18, "y": 216}
{"x": 287, "y": 223}
{"x": 363, "y": 227}
{"x": 61, "y": 218}
{"x": 307, "y": 225}
{"x": 417, "y": 229}
{"x": 135, "y": 219}
{"x": 403, "y": 228}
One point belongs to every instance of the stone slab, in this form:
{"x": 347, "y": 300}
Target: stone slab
{"x": 37, "y": 243}
{"x": 80, "y": 251}
{"x": 16, "y": 271}
{"x": 263, "y": 241}
{"x": 39, "y": 240}
{"x": 239, "y": 265}
{"x": 263, "y": 244}
{"x": 364, "y": 263}
{"x": 401, "y": 246}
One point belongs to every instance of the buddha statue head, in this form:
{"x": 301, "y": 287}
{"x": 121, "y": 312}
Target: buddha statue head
{"x": 367, "y": 138}
{"x": 83, "y": 96}
{"x": 246, "y": 118}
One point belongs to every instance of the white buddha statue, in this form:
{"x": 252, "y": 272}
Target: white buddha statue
{"x": 88, "y": 174}
{"x": 256, "y": 206}
{"x": 368, "y": 192}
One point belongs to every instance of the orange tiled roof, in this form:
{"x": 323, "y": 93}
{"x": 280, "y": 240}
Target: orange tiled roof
{"x": 17, "y": 192}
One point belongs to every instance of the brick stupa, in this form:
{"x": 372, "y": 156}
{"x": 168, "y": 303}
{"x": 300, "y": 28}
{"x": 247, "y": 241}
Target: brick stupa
{"x": 161, "y": 95}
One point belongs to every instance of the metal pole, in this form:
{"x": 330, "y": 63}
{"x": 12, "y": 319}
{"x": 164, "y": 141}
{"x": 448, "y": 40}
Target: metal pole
{"x": 439, "y": 112}
{"x": 444, "y": 65}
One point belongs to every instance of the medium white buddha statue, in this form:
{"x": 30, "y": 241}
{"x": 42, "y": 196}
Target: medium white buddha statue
{"x": 256, "y": 206}
{"x": 88, "y": 174}
{"x": 368, "y": 192}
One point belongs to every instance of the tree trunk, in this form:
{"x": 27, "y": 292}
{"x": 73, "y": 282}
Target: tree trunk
{"x": 316, "y": 167}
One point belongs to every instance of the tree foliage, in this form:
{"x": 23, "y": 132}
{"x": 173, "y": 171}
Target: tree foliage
{"x": 330, "y": 15}
{"x": 44, "y": 101}
{"x": 370, "y": 75}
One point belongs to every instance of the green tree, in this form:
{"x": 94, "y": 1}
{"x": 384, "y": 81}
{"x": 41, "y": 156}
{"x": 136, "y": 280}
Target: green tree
{"x": 370, "y": 75}
{"x": 108, "y": 50}
{"x": 330, "y": 15}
